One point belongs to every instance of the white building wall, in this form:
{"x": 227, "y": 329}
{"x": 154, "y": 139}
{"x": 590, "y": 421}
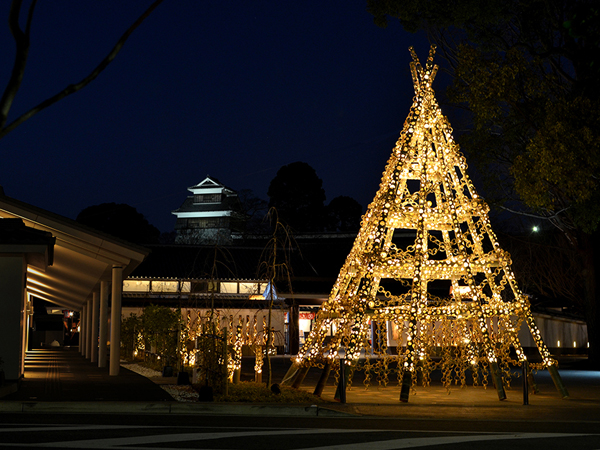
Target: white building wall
{"x": 570, "y": 333}
{"x": 247, "y": 317}
{"x": 556, "y": 332}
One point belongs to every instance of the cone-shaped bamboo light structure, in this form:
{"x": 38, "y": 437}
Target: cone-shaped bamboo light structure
{"x": 448, "y": 294}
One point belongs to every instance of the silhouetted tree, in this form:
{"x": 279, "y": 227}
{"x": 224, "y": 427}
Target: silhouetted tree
{"x": 528, "y": 72}
{"x": 343, "y": 214}
{"x": 120, "y": 220}
{"x": 254, "y": 210}
{"x": 297, "y": 194}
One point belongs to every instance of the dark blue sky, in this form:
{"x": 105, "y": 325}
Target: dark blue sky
{"x": 233, "y": 89}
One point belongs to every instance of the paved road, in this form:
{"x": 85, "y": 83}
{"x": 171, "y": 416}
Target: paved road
{"x": 267, "y": 433}
{"x": 51, "y": 414}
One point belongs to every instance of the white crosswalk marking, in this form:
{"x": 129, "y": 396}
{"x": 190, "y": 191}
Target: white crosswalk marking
{"x": 394, "y": 444}
{"x": 139, "y": 442}
{"x": 116, "y": 443}
{"x": 68, "y": 428}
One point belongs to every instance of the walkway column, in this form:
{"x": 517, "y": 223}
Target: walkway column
{"x": 20, "y": 247}
{"x": 82, "y": 316}
{"x": 103, "y": 322}
{"x": 88, "y": 328}
{"x": 13, "y": 270}
{"x": 115, "y": 320}
{"x": 95, "y": 304}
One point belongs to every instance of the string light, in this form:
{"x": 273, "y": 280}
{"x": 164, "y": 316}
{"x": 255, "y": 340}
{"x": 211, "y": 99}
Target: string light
{"x": 425, "y": 190}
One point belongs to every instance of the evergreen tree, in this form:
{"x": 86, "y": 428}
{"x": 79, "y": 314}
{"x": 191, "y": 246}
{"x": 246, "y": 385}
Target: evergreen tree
{"x": 297, "y": 194}
{"x": 120, "y": 220}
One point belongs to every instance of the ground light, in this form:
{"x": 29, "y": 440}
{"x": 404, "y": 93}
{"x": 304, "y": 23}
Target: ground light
{"x": 471, "y": 331}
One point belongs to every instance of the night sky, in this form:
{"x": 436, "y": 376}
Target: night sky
{"x": 231, "y": 89}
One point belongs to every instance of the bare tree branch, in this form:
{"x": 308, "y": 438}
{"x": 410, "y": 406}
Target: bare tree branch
{"x": 536, "y": 216}
{"x": 21, "y": 53}
{"x": 72, "y": 88}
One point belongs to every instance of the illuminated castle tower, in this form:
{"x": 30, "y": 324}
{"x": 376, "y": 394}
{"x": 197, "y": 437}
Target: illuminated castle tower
{"x": 450, "y": 294}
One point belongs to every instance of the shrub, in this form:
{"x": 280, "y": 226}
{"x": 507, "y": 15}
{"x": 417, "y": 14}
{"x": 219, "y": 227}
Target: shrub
{"x": 251, "y": 392}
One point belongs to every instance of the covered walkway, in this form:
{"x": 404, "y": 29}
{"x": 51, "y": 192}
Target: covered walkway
{"x": 75, "y": 267}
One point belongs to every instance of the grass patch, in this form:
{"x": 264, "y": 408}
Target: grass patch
{"x": 251, "y": 392}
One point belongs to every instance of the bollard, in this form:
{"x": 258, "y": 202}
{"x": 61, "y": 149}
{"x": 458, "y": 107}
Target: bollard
{"x": 405, "y": 388}
{"x": 531, "y": 382}
{"x": 525, "y": 368}
{"x": 340, "y": 393}
{"x": 225, "y": 363}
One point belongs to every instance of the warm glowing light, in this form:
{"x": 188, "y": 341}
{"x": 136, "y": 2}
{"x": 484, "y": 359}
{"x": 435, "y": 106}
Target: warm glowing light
{"x": 35, "y": 271}
{"x": 32, "y": 288}
{"x": 39, "y": 283}
{"x": 426, "y": 193}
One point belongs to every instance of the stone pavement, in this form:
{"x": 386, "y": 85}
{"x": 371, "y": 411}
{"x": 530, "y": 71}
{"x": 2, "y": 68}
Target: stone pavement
{"x": 477, "y": 403}
{"x": 65, "y": 382}
{"x": 64, "y": 375}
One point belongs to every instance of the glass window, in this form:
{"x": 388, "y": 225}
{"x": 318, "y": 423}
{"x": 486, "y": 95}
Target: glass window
{"x": 229, "y": 288}
{"x": 165, "y": 286}
{"x": 136, "y": 286}
{"x": 249, "y": 288}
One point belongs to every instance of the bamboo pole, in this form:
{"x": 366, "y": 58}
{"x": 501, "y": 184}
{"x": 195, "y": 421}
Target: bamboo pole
{"x": 558, "y": 381}
{"x": 289, "y": 375}
{"x": 302, "y": 372}
{"x": 323, "y": 379}
{"x": 346, "y": 374}
{"x": 498, "y": 381}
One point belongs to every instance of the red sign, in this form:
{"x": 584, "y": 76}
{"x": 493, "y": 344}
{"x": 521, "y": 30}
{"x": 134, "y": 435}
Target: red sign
{"x": 307, "y": 316}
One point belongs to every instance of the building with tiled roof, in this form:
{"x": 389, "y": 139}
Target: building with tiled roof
{"x": 209, "y": 215}
{"x": 200, "y": 278}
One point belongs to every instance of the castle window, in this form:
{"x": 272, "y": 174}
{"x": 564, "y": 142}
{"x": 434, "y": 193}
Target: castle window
{"x": 207, "y": 198}
{"x": 208, "y": 222}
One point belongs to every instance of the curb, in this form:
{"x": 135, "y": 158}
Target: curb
{"x": 223, "y": 409}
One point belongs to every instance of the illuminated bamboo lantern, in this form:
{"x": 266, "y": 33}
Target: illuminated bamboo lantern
{"x": 426, "y": 195}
